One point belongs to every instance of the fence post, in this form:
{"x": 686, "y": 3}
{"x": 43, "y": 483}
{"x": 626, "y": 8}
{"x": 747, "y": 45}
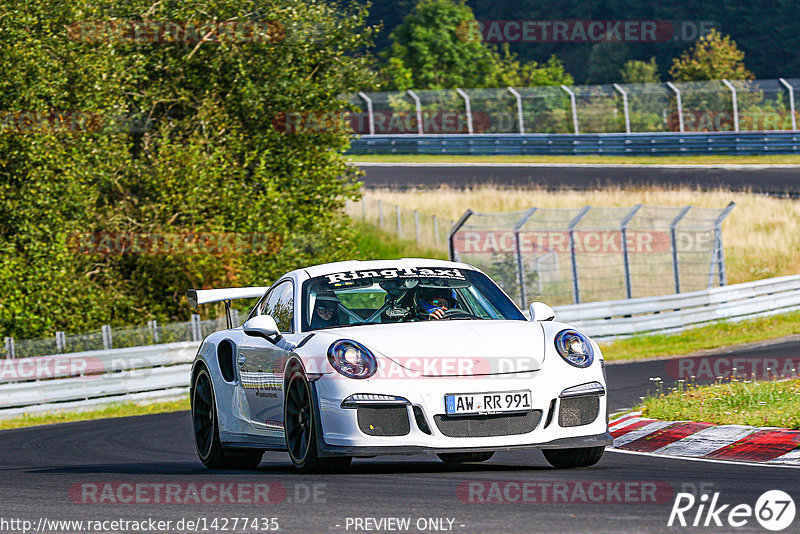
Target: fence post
{"x": 197, "y": 334}
{"x": 61, "y": 342}
{"x": 436, "y": 230}
{"x": 153, "y": 326}
{"x": 416, "y": 226}
{"x": 456, "y": 227}
{"x": 576, "y": 293}
{"x": 723, "y": 279}
{"x": 791, "y": 101}
{"x": 673, "y": 238}
{"x": 518, "y": 247}
{"x": 418, "y": 104}
{"x": 10, "y": 349}
{"x": 735, "y": 102}
{"x": 519, "y": 109}
{"x": 625, "y": 261}
{"x": 108, "y": 341}
{"x": 380, "y": 214}
{"x": 679, "y": 103}
{"x": 399, "y": 223}
{"x": 468, "y": 108}
{"x": 370, "y": 114}
{"x": 574, "y": 108}
{"x": 625, "y": 109}
{"x": 363, "y": 209}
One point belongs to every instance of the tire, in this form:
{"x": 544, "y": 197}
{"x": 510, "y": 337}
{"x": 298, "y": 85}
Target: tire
{"x": 300, "y": 425}
{"x": 206, "y": 430}
{"x": 464, "y": 457}
{"x": 569, "y": 458}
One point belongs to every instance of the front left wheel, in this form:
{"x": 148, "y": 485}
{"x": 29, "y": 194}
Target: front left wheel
{"x": 300, "y": 429}
{"x": 206, "y": 430}
{"x": 570, "y": 458}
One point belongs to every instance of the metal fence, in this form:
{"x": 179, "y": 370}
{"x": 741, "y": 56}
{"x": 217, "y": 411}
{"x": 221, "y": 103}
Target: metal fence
{"x": 427, "y": 231}
{"x": 711, "y": 106}
{"x": 573, "y": 255}
{"x": 115, "y": 338}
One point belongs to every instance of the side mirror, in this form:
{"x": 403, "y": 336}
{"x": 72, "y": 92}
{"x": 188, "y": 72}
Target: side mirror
{"x": 261, "y": 325}
{"x": 541, "y": 312}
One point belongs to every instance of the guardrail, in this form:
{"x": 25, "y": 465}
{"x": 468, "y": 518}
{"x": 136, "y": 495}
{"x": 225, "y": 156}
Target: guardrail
{"x": 610, "y": 144}
{"x": 159, "y": 372}
{"x": 90, "y": 378}
{"x": 673, "y": 313}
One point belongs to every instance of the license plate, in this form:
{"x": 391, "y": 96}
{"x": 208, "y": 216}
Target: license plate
{"x": 497, "y": 402}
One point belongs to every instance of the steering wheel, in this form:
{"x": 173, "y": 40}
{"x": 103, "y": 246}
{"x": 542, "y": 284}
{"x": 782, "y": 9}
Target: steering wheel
{"x": 456, "y": 312}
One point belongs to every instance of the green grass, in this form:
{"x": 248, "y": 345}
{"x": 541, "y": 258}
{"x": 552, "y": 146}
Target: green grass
{"x": 736, "y": 402}
{"x": 708, "y": 337}
{"x": 113, "y": 410}
{"x": 637, "y": 160}
{"x": 373, "y": 243}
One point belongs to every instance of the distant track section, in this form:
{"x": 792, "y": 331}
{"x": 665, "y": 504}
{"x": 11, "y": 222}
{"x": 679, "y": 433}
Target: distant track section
{"x": 771, "y": 179}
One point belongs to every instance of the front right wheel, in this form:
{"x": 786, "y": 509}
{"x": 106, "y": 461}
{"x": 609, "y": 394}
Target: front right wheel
{"x": 569, "y": 458}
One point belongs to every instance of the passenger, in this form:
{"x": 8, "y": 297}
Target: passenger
{"x": 326, "y": 310}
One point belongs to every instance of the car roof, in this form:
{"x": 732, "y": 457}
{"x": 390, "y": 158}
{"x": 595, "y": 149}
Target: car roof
{"x": 355, "y": 265}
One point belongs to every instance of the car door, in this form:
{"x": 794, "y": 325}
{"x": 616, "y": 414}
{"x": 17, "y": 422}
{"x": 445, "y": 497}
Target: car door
{"x": 260, "y": 360}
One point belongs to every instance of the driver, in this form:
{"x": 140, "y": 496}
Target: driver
{"x": 326, "y": 310}
{"x": 432, "y": 303}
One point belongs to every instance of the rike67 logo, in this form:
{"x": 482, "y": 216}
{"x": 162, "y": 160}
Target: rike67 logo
{"x": 774, "y": 510}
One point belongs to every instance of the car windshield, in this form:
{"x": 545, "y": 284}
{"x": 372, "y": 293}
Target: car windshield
{"x": 404, "y": 295}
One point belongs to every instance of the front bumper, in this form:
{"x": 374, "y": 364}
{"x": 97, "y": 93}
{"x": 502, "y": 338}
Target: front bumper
{"x": 341, "y": 435}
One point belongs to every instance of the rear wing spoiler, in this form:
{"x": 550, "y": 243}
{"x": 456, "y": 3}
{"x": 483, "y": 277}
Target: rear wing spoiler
{"x": 206, "y": 296}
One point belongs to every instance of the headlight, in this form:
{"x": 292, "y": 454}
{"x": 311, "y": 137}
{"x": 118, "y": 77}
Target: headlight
{"x": 574, "y": 348}
{"x": 352, "y": 359}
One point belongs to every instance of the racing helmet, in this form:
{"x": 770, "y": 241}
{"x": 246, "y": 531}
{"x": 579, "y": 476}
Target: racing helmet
{"x": 428, "y": 299}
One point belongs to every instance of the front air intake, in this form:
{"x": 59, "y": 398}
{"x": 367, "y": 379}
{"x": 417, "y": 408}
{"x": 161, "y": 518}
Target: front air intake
{"x": 577, "y": 411}
{"x": 383, "y": 420}
{"x": 484, "y": 426}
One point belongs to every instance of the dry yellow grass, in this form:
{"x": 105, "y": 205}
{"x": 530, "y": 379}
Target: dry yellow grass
{"x": 761, "y": 236}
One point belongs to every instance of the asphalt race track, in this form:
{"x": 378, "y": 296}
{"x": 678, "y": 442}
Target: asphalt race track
{"x": 55, "y": 472}
{"x": 773, "y": 179}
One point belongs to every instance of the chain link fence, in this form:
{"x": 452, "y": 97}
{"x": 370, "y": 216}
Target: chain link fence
{"x": 573, "y": 255}
{"x": 427, "y": 231}
{"x": 711, "y": 106}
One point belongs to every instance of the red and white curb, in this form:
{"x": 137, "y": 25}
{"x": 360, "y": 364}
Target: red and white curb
{"x": 633, "y": 432}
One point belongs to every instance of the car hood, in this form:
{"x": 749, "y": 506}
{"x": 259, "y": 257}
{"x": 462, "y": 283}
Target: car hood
{"x": 454, "y": 347}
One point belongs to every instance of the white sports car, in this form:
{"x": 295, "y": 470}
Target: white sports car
{"x": 363, "y": 358}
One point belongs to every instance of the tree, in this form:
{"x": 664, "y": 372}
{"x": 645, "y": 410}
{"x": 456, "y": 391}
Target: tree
{"x": 713, "y": 57}
{"x": 210, "y": 159}
{"x": 606, "y": 60}
{"x": 438, "y": 46}
{"x": 636, "y": 71}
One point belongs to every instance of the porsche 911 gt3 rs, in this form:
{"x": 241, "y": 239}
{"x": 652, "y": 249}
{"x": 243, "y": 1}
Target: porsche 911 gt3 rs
{"x": 366, "y": 358}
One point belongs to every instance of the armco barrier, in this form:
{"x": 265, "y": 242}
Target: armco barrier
{"x": 154, "y": 372}
{"x": 611, "y": 144}
{"x": 673, "y": 313}
{"x": 84, "y": 379}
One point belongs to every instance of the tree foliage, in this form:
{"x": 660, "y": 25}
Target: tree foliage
{"x": 635, "y": 71}
{"x": 203, "y": 155}
{"x": 713, "y": 57}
